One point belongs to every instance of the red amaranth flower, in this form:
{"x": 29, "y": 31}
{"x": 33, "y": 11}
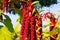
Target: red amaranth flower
{"x": 22, "y": 28}
{"x": 28, "y": 22}
{"x": 32, "y": 24}
{"x": 26, "y": 28}
{"x": 23, "y": 21}
{"x": 30, "y": 6}
{"x": 5, "y": 5}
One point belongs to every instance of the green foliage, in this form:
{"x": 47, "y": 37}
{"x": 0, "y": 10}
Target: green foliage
{"x": 7, "y": 23}
{"x": 18, "y": 11}
{"x": 5, "y": 34}
{"x": 46, "y": 33}
{"x": 34, "y": 11}
{"x": 0, "y": 0}
{"x": 54, "y": 31}
{"x": 1, "y": 26}
{"x": 58, "y": 38}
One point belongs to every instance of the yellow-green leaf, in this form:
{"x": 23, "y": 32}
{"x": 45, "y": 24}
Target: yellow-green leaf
{"x": 16, "y": 28}
{"x": 5, "y": 34}
{"x": 18, "y": 19}
{"x": 35, "y": 2}
{"x": 1, "y": 11}
{"x": 33, "y": 11}
{"x": 58, "y": 10}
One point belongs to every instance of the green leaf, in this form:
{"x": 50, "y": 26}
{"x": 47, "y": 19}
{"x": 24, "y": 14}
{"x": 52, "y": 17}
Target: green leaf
{"x": 58, "y": 30}
{"x": 1, "y": 26}
{"x": 1, "y": 11}
{"x": 18, "y": 11}
{"x": 35, "y": 2}
{"x": 0, "y": 0}
{"x": 58, "y": 38}
{"x": 34, "y": 10}
{"x": 8, "y": 24}
{"x": 54, "y": 31}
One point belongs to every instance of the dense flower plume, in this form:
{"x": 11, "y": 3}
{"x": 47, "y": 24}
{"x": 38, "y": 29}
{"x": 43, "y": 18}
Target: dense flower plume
{"x": 32, "y": 19}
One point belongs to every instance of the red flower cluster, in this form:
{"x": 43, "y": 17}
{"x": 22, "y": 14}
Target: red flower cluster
{"x": 52, "y": 19}
{"x": 5, "y": 5}
{"x": 32, "y": 24}
{"x": 28, "y": 22}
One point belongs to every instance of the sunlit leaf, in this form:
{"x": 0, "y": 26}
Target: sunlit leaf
{"x": 46, "y": 33}
{"x": 58, "y": 23}
{"x": 33, "y": 11}
{"x": 18, "y": 19}
{"x": 16, "y": 27}
{"x": 1, "y": 11}
{"x": 5, "y": 34}
{"x": 58, "y": 38}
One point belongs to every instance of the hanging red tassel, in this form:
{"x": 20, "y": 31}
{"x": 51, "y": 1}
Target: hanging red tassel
{"x": 22, "y": 28}
{"x": 32, "y": 21}
{"x": 26, "y": 27}
{"x": 30, "y": 6}
{"x": 5, "y": 5}
{"x": 32, "y": 24}
{"x": 29, "y": 22}
{"x": 23, "y": 21}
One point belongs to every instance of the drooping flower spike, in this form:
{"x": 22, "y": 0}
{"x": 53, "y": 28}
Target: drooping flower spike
{"x": 5, "y": 6}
